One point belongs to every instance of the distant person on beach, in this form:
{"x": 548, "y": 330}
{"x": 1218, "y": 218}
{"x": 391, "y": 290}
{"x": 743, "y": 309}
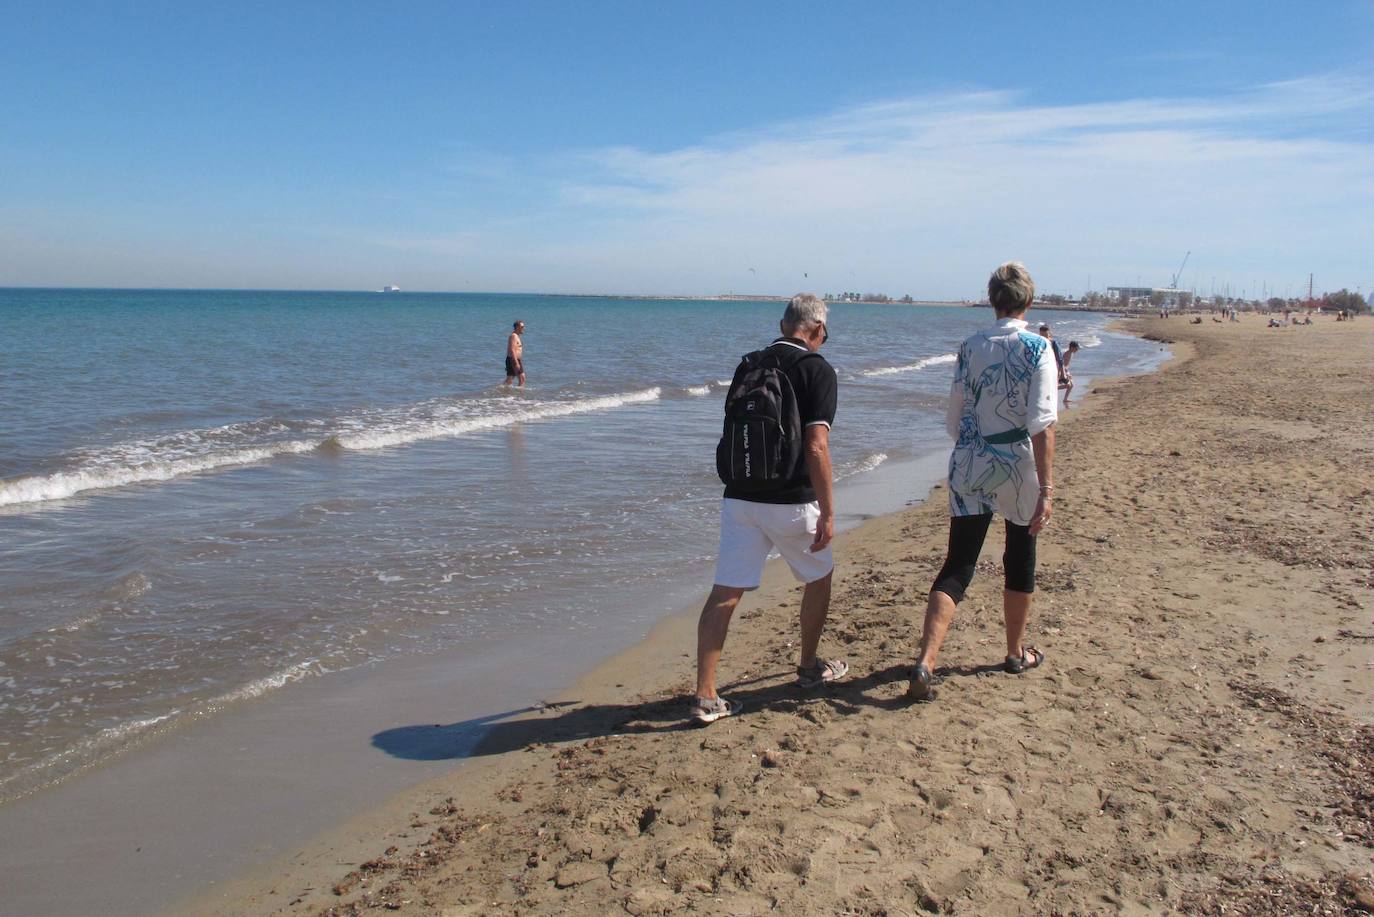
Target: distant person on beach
{"x": 1002, "y": 411}
{"x": 1058, "y": 354}
{"x": 515, "y": 355}
{"x": 1061, "y": 363}
{"x": 1065, "y": 374}
{"x": 774, "y": 458}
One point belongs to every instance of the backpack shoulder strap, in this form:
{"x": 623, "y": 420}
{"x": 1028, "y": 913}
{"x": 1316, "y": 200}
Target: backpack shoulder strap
{"x": 753, "y": 358}
{"x": 795, "y": 360}
{"x": 794, "y": 356}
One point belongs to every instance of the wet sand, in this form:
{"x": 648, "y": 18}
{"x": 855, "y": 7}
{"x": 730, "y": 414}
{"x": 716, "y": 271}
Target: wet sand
{"x": 213, "y": 799}
{"x": 1201, "y": 736}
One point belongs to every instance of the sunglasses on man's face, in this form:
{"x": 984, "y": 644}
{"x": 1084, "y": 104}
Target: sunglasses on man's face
{"x": 825, "y": 332}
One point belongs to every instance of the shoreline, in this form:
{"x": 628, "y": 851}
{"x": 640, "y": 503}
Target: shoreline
{"x": 218, "y": 792}
{"x": 1174, "y": 754}
{"x": 653, "y": 297}
{"x": 606, "y": 682}
{"x": 480, "y": 771}
{"x": 219, "y": 770}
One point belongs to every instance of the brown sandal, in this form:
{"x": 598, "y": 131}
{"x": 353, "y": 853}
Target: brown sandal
{"x": 922, "y": 687}
{"x": 1015, "y": 666}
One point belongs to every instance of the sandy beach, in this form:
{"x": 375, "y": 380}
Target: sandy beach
{"x": 1201, "y": 738}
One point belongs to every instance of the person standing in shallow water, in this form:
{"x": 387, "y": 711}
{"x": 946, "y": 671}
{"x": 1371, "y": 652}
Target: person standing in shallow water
{"x": 1065, "y": 373}
{"x": 1002, "y": 409}
{"x": 515, "y": 355}
{"x": 1058, "y": 354}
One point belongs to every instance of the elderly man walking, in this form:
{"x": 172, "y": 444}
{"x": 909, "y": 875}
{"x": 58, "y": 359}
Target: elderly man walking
{"x": 1002, "y": 410}
{"x": 774, "y": 458}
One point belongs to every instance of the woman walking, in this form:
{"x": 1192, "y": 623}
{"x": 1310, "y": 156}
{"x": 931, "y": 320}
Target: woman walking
{"x": 1002, "y": 409}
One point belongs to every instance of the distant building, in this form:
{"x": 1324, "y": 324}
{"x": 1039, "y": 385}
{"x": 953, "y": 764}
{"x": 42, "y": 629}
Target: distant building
{"x": 1132, "y": 294}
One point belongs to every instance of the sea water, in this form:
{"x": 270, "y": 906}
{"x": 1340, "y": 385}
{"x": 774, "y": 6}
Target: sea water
{"x": 206, "y": 496}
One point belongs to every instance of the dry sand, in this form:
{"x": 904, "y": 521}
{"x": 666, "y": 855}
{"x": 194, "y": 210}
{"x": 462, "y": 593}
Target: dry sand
{"x": 1201, "y": 738}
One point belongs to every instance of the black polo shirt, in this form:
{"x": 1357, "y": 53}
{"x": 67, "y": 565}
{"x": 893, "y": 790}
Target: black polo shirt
{"x": 813, "y": 380}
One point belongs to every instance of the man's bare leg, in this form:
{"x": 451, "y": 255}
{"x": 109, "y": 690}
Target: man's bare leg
{"x": 939, "y": 615}
{"x": 814, "y": 608}
{"x": 711, "y": 630}
{"x": 1016, "y": 609}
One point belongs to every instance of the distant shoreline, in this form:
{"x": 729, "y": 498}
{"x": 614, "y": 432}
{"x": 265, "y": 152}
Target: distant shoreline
{"x": 665, "y": 297}
{"x": 655, "y": 297}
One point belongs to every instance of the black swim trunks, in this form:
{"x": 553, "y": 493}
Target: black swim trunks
{"x": 514, "y": 367}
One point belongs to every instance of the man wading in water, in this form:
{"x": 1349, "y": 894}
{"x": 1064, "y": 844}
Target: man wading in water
{"x": 515, "y": 352}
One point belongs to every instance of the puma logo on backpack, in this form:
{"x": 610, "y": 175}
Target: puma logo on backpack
{"x": 760, "y": 448}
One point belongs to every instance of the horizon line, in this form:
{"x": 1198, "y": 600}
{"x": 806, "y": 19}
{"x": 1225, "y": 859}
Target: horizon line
{"x": 604, "y": 295}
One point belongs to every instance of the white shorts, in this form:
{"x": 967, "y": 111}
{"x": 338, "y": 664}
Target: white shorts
{"x": 748, "y": 531}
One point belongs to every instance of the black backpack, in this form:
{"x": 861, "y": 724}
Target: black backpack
{"x": 761, "y": 446}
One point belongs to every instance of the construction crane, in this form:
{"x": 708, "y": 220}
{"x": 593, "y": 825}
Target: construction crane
{"x": 1173, "y": 285}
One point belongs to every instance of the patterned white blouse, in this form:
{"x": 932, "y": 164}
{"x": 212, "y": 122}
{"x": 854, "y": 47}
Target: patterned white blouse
{"x": 1004, "y": 393}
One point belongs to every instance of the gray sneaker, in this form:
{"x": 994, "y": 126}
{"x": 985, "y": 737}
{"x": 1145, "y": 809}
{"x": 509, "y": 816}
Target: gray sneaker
{"x": 706, "y": 710}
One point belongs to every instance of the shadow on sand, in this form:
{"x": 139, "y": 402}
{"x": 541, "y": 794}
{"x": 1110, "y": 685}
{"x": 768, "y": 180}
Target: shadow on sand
{"x": 572, "y": 721}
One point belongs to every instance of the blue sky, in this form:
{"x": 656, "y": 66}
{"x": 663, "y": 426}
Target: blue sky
{"x": 686, "y": 148}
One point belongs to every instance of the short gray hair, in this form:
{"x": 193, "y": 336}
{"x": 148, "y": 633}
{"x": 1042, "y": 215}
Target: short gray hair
{"x": 804, "y": 309}
{"x": 1010, "y": 288}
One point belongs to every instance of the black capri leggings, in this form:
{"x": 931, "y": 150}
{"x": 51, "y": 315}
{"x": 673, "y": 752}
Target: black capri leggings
{"x": 966, "y": 534}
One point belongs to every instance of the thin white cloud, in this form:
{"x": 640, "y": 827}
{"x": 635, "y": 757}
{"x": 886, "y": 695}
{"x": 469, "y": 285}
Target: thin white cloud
{"x": 922, "y": 194}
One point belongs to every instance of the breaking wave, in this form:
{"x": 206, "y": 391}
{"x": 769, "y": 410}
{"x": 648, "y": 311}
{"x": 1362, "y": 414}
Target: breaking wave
{"x": 62, "y": 484}
{"x": 196, "y": 451}
{"x": 463, "y": 422}
{"x": 866, "y": 464}
{"x": 912, "y": 367}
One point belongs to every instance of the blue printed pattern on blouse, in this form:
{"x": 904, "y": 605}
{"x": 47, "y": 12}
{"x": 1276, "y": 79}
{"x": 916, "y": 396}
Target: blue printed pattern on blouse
{"x": 978, "y": 470}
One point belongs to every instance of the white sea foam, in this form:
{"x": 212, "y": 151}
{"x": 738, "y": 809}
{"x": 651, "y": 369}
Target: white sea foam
{"x": 383, "y": 437}
{"x": 912, "y": 367}
{"x": 115, "y": 738}
{"x": 1088, "y": 340}
{"x": 261, "y": 686}
{"x": 698, "y": 389}
{"x": 76, "y": 624}
{"x": 72, "y": 758}
{"x": 871, "y": 462}
{"x": 866, "y": 464}
{"x": 196, "y": 451}
{"x": 62, "y": 484}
